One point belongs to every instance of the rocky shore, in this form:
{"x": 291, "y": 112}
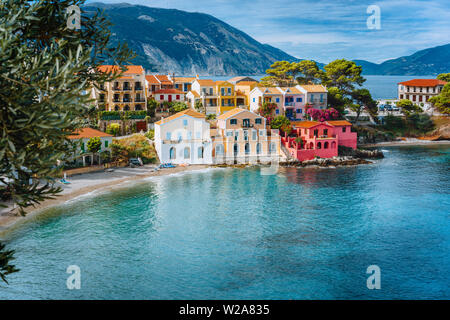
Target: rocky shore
{"x": 329, "y": 162}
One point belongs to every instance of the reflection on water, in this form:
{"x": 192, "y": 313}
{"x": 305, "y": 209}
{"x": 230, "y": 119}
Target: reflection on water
{"x": 306, "y": 233}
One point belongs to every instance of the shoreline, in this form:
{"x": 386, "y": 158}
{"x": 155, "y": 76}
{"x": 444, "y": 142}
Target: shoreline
{"x": 410, "y": 142}
{"x": 103, "y": 181}
{"x": 84, "y": 184}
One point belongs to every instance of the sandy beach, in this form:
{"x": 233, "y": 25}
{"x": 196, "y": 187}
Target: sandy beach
{"x": 89, "y": 182}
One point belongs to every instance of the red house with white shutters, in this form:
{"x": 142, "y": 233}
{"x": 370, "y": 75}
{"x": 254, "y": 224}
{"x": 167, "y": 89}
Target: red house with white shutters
{"x": 169, "y": 95}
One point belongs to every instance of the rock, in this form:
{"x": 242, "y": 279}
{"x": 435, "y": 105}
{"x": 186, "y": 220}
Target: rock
{"x": 442, "y": 132}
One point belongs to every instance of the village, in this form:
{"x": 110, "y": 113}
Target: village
{"x": 239, "y": 121}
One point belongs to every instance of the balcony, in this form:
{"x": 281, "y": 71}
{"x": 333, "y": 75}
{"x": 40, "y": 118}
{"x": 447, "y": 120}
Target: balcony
{"x": 127, "y": 100}
{"x": 139, "y": 100}
{"x": 227, "y": 104}
{"x": 247, "y": 125}
{"x": 289, "y": 104}
{"x": 138, "y": 88}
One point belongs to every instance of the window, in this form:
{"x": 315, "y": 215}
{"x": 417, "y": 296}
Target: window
{"x": 258, "y": 121}
{"x": 277, "y": 99}
{"x": 82, "y": 146}
{"x": 222, "y": 91}
{"x": 299, "y": 99}
{"x": 262, "y": 132}
{"x": 319, "y": 145}
{"x": 298, "y": 110}
{"x": 168, "y": 135}
{"x": 254, "y": 135}
{"x": 258, "y": 148}
{"x": 200, "y": 153}
{"x": 176, "y": 85}
{"x": 312, "y": 98}
{"x": 233, "y": 121}
{"x": 116, "y": 108}
{"x": 138, "y": 107}
{"x": 277, "y": 111}
{"x": 235, "y": 149}
{"x": 321, "y": 98}
{"x": 247, "y": 148}
{"x": 187, "y": 153}
{"x": 236, "y": 135}
{"x": 219, "y": 150}
{"x": 230, "y": 133}
{"x": 178, "y": 97}
{"x": 254, "y": 99}
{"x": 325, "y": 146}
{"x": 344, "y": 129}
{"x": 106, "y": 143}
{"x": 316, "y": 132}
{"x": 246, "y": 135}
{"x": 325, "y": 132}
{"x": 185, "y": 122}
{"x": 179, "y": 136}
{"x": 229, "y": 91}
{"x": 172, "y": 153}
{"x": 161, "y": 97}
{"x": 189, "y": 135}
{"x": 198, "y": 135}
{"x": 272, "y": 147}
{"x": 126, "y": 108}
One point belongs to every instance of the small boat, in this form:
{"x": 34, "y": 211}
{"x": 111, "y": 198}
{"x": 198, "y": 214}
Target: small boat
{"x": 64, "y": 181}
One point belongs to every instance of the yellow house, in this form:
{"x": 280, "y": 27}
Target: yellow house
{"x": 228, "y": 97}
{"x": 244, "y": 88}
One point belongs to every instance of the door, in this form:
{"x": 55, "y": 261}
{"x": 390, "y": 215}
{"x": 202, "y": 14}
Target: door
{"x": 170, "y": 98}
{"x": 289, "y": 114}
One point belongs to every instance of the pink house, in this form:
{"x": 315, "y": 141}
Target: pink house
{"x": 310, "y": 139}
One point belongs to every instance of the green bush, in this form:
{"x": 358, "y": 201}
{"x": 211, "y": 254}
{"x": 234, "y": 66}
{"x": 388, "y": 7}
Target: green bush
{"x": 150, "y": 134}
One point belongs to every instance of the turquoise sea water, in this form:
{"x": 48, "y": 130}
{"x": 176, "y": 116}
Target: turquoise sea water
{"x": 236, "y": 234}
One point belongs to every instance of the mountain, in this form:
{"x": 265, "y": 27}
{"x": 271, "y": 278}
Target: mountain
{"x": 431, "y": 61}
{"x": 170, "y": 40}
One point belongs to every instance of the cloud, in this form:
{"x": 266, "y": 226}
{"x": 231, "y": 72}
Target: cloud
{"x": 330, "y": 29}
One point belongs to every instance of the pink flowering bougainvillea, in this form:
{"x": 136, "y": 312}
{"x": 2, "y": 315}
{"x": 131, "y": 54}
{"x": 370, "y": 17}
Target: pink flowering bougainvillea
{"x": 322, "y": 115}
{"x": 267, "y": 110}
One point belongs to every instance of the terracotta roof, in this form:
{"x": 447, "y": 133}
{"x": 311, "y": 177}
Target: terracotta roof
{"x": 339, "y": 123}
{"x": 152, "y": 79}
{"x": 168, "y": 91}
{"x": 221, "y": 82}
{"x": 188, "y": 112}
{"x": 164, "y": 79}
{"x": 230, "y": 113}
{"x": 88, "y": 133}
{"x": 205, "y": 82}
{"x": 423, "y": 82}
{"x": 270, "y": 90}
{"x": 131, "y": 69}
{"x": 185, "y": 79}
{"x": 314, "y": 87}
{"x": 246, "y": 83}
{"x": 292, "y": 90}
{"x": 304, "y": 124}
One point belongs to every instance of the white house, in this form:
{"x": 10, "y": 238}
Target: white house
{"x": 184, "y": 138}
{"x": 82, "y": 136}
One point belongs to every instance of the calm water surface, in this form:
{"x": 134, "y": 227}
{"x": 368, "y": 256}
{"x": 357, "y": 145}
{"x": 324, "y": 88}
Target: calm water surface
{"x": 237, "y": 234}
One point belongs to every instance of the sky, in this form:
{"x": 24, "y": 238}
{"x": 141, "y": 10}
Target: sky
{"x": 325, "y": 30}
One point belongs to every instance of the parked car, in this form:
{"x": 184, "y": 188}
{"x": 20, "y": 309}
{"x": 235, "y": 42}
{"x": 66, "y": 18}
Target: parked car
{"x": 136, "y": 162}
{"x": 381, "y": 107}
